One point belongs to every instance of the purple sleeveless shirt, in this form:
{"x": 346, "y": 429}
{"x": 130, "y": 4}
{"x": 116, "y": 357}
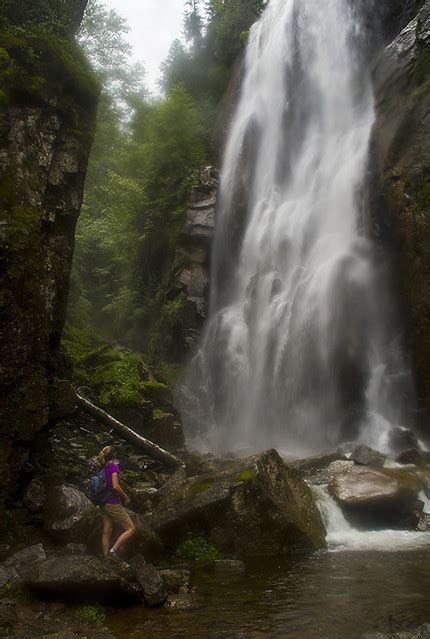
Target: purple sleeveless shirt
{"x": 110, "y": 469}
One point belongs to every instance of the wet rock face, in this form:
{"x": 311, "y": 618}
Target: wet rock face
{"x": 401, "y": 148}
{"x": 190, "y": 273}
{"x": 45, "y": 141}
{"x": 373, "y": 499}
{"x": 259, "y": 507}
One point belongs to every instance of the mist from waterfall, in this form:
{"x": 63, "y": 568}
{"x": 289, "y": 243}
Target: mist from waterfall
{"x": 300, "y": 350}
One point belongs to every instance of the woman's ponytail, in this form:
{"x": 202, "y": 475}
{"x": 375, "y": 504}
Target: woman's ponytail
{"x": 106, "y": 454}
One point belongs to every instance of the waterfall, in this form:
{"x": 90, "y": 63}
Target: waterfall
{"x": 299, "y": 351}
{"x": 342, "y": 536}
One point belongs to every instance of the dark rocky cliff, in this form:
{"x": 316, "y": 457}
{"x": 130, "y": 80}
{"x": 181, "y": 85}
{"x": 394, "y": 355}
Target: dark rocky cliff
{"x": 401, "y": 146}
{"x": 188, "y": 288}
{"x": 48, "y": 103}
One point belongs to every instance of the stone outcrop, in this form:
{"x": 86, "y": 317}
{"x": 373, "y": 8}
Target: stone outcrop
{"x": 363, "y": 455}
{"x": 150, "y": 580}
{"x": 259, "y": 507}
{"x": 79, "y": 576}
{"x": 371, "y": 498}
{"x": 189, "y": 285}
{"x": 47, "y": 117}
{"x": 401, "y": 147}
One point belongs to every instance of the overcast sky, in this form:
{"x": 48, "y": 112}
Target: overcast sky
{"x": 154, "y": 25}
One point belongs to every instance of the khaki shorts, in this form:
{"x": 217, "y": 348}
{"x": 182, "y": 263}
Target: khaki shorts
{"x": 118, "y": 514}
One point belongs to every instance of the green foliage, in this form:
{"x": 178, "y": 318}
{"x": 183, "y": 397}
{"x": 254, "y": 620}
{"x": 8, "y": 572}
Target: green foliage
{"x": 201, "y": 486}
{"x": 92, "y": 615}
{"x": 246, "y": 475}
{"x": 144, "y": 160}
{"x": 41, "y": 61}
{"x": 118, "y": 383}
{"x": 172, "y": 373}
{"x": 157, "y": 413}
{"x": 53, "y": 16}
{"x": 422, "y": 65}
{"x": 199, "y": 550}
{"x": 6, "y": 590}
{"x": 423, "y": 197}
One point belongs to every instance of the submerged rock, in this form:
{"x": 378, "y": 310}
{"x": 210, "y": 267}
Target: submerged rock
{"x": 260, "y": 507}
{"x": 229, "y": 566}
{"x": 176, "y": 581}
{"x": 375, "y": 499}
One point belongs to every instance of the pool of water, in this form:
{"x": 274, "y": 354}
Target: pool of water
{"x": 336, "y": 595}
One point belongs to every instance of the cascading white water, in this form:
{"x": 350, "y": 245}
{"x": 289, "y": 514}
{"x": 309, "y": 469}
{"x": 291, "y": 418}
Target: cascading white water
{"x": 299, "y": 352}
{"x": 342, "y": 536}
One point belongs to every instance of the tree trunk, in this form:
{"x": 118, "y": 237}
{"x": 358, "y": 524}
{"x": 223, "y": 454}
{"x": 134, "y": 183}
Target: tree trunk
{"x": 127, "y": 433}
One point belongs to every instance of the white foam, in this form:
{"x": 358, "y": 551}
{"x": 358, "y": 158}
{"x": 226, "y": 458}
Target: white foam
{"x": 341, "y": 536}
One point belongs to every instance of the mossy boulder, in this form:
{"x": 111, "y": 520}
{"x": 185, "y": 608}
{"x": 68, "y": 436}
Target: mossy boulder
{"x": 257, "y": 507}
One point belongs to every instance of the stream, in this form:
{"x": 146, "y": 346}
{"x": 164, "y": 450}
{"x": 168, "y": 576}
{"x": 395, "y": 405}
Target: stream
{"x": 366, "y": 581}
{"x": 326, "y": 594}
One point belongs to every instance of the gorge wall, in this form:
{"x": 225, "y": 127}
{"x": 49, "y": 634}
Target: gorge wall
{"x": 48, "y": 102}
{"x": 401, "y": 148}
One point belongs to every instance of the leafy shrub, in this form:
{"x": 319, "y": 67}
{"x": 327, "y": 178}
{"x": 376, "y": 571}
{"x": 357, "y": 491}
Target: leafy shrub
{"x": 92, "y": 615}
{"x": 118, "y": 383}
{"x": 199, "y": 550}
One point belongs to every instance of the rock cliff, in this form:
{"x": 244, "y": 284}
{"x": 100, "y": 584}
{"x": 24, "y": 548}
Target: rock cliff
{"x": 401, "y": 147}
{"x": 189, "y": 282}
{"x": 48, "y": 103}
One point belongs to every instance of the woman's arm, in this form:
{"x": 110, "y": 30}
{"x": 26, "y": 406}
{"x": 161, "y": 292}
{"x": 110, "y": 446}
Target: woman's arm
{"x": 117, "y": 488}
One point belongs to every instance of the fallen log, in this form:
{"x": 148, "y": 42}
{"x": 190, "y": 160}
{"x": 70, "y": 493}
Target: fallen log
{"x": 127, "y": 433}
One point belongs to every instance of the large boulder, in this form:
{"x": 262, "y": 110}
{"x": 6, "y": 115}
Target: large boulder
{"x": 150, "y": 580}
{"x": 373, "y": 499}
{"x": 145, "y": 540}
{"x": 78, "y": 576}
{"x": 26, "y": 556}
{"x": 363, "y": 455}
{"x": 259, "y": 507}
{"x": 69, "y": 516}
{"x": 402, "y": 440}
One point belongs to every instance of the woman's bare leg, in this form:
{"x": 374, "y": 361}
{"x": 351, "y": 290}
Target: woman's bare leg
{"x": 129, "y": 531}
{"x": 107, "y": 531}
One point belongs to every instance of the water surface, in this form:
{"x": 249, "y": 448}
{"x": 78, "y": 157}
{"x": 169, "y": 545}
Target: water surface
{"x": 337, "y": 595}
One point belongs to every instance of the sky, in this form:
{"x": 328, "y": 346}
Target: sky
{"x": 154, "y": 24}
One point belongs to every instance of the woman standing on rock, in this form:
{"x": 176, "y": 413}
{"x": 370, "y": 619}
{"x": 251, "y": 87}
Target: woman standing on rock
{"x": 113, "y": 511}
